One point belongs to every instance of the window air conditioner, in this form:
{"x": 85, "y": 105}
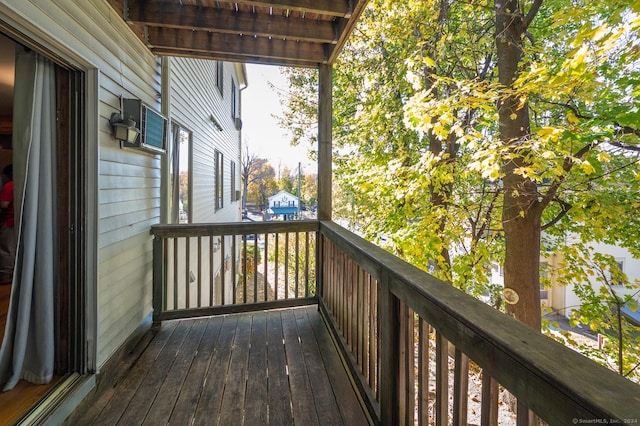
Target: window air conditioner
{"x": 152, "y": 125}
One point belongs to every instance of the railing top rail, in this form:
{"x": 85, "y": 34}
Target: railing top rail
{"x": 557, "y": 383}
{"x": 232, "y": 228}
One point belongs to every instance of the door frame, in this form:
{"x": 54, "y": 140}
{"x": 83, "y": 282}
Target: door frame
{"x": 77, "y": 211}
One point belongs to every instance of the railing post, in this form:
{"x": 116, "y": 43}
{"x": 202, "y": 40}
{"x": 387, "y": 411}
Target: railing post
{"x": 325, "y": 114}
{"x": 158, "y": 278}
{"x": 389, "y": 352}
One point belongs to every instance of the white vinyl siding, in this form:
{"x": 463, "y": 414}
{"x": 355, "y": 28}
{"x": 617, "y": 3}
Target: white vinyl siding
{"x": 90, "y": 35}
{"x": 195, "y": 100}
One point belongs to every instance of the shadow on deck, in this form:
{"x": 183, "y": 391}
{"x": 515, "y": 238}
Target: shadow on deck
{"x": 275, "y": 367}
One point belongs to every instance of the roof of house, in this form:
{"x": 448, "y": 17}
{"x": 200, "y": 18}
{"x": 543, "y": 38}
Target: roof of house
{"x": 283, "y": 194}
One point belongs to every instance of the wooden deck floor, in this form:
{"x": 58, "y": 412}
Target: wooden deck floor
{"x": 276, "y": 367}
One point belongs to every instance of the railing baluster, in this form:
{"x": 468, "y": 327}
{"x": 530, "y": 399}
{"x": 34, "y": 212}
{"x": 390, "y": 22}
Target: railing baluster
{"x": 199, "y": 262}
{"x": 175, "y": 273}
{"x": 297, "y": 245}
{"x": 255, "y": 267}
{"x": 211, "y": 270}
{"x": 286, "y": 265}
{"x": 442, "y": 380}
{"x": 423, "y": 373}
{"x": 389, "y": 343}
{"x": 244, "y": 269}
{"x": 165, "y": 283}
{"x": 265, "y": 269}
{"x": 276, "y": 284}
{"x": 359, "y": 318}
{"x": 234, "y": 287}
{"x": 348, "y": 305}
{"x": 306, "y": 263}
{"x": 403, "y": 364}
{"x": 223, "y": 256}
{"x": 187, "y": 270}
{"x": 460, "y": 388}
{"x": 375, "y": 344}
{"x": 489, "y": 407}
{"x": 367, "y": 338}
{"x": 524, "y": 416}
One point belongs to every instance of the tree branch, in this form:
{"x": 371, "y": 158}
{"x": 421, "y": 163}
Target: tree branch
{"x": 565, "y": 207}
{"x": 535, "y": 7}
{"x": 573, "y": 109}
{"x": 625, "y": 146}
{"x": 627, "y": 130}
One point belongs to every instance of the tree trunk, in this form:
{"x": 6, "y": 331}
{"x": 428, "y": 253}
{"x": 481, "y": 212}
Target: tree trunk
{"x": 521, "y": 216}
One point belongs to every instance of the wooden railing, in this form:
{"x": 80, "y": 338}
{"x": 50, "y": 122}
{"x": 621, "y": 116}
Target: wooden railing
{"x": 418, "y": 348}
{"x": 208, "y": 269}
{"x": 420, "y": 351}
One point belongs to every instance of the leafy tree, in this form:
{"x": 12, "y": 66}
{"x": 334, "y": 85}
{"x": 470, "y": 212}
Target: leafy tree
{"x": 264, "y": 186}
{"x": 560, "y": 81}
{"x": 604, "y": 291}
{"x": 254, "y": 170}
{"x": 309, "y": 189}
{"x": 286, "y": 181}
{"x": 486, "y": 131}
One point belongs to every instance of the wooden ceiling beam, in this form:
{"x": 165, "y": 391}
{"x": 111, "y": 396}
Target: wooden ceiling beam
{"x": 172, "y": 15}
{"x": 165, "y": 41}
{"x": 227, "y": 57}
{"x": 339, "y": 8}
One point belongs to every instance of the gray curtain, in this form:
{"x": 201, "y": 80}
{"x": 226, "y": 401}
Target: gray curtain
{"x": 28, "y": 347}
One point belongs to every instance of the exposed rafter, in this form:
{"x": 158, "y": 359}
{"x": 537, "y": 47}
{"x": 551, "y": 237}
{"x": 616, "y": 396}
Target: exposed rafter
{"x": 169, "y": 40}
{"x": 281, "y": 32}
{"x": 341, "y": 8}
{"x": 226, "y": 21}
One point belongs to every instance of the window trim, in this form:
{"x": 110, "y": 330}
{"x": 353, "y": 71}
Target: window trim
{"x": 176, "y": 129}
{"x": 232, "y": 176}
{"x": 219, "y": 179}
{"x": 220, "y": 77}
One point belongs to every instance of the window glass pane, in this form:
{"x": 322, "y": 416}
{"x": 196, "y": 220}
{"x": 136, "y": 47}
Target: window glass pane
{"x": 184, "y": 176}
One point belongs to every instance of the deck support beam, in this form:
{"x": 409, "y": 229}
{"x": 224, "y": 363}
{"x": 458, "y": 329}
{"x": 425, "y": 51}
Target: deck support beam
{"x": 325, "y": 114}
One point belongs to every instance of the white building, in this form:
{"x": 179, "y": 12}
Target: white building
{"x": 284, "y": 204}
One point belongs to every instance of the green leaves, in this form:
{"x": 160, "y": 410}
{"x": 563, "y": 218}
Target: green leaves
{"x": 420, "y": 166}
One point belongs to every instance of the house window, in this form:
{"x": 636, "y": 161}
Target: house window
{"x": 232, "y": 168}
{"x": 219, "y": 76}
{"x": 544, "y": 281}
{"x": 219, "y": 179}
{"x": 611, "y": 277}
{"x": 181, "y": 181}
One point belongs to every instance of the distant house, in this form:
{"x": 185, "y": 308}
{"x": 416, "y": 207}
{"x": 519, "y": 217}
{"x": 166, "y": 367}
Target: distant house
{"x": 284, "y": 204}
{"x": 564, "y": 300}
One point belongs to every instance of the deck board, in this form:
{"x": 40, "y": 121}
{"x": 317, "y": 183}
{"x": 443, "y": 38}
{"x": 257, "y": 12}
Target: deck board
{"x": 325, "y": 400}
{"x": 256, "y": 407}
{"x": 118, "y": 397}
{"x": 208, "y": 408}
{"x": 166, "y": 398}
{"x": 189, "y": 396}
{"x": 149, "y": 388}
{"x": 233, "y": 397}
{"x": 275, "y": 367}
{"x": 278, "y": 396}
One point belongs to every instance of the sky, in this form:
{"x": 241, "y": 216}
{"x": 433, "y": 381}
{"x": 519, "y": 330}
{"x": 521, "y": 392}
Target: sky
{"x": 260, "y": 129}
